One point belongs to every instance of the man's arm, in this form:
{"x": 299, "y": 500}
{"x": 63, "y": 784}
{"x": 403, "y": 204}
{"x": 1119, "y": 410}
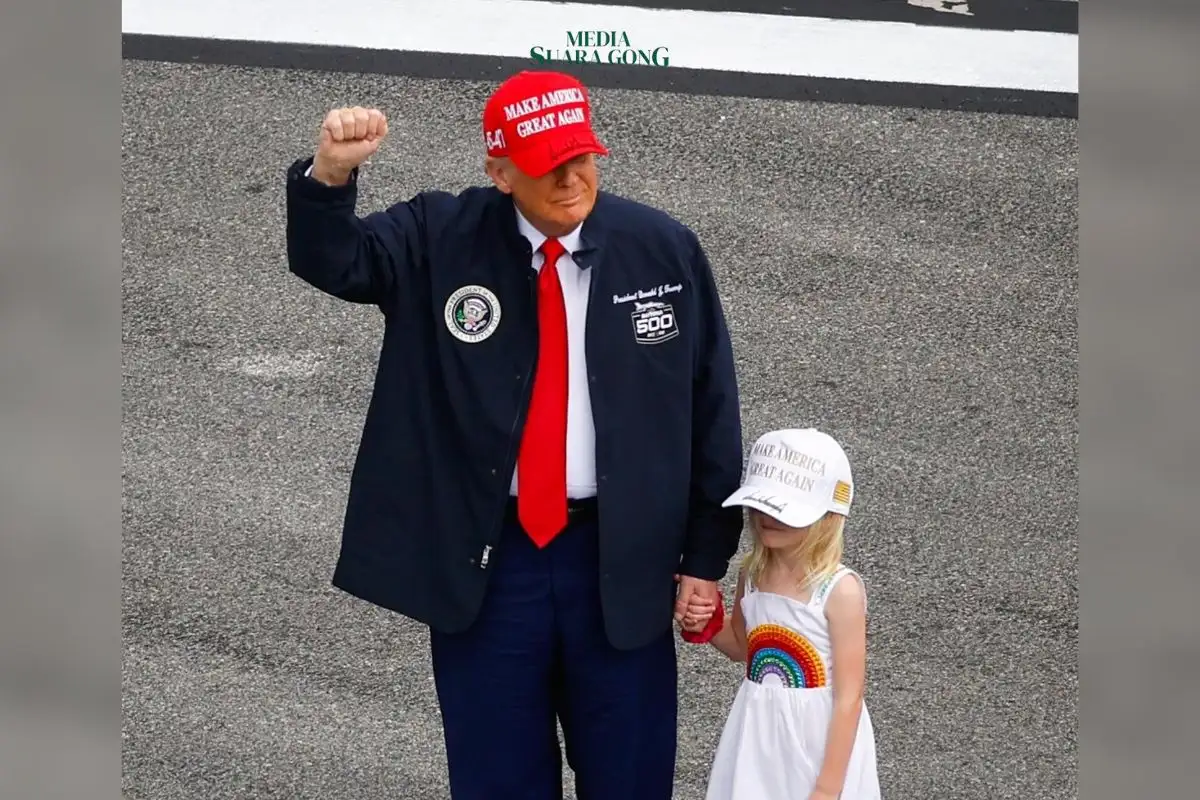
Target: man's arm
{"x": 328, "y": 245}
{"x": 713, "y": 532}
{"x": 352, "y": 258}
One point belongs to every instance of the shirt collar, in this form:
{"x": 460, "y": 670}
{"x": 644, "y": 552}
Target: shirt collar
{"x": 570, "y": 241}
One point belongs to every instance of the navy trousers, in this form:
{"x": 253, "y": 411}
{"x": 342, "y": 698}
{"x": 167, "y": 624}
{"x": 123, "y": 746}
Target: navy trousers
{"x": 537, "y": 653}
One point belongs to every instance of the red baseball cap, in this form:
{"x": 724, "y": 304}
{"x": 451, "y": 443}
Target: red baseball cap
{"x": 539, "y": 120}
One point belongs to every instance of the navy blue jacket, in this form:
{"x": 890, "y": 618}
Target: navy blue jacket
{"x": 439, "y": 445}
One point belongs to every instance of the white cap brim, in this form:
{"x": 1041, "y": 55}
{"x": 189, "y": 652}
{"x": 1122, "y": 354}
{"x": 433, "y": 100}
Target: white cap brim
{"x": 789, "y": 512}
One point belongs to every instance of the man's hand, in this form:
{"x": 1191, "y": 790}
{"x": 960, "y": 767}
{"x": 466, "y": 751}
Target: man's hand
{"x": 349, "y": 136}
{"x": 695, "y": 603}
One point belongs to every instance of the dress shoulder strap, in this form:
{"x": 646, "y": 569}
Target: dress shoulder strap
{"x": 747, "y": 583}
{"x": 821, "y": 593}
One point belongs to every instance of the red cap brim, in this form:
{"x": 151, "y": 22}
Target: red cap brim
{"x": 541, "y": 159}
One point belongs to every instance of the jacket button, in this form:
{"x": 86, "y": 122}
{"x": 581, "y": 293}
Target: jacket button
{"x": 493, "y": 472}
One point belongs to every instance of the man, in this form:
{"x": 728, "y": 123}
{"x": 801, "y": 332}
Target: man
{"x": 553, "y": 429}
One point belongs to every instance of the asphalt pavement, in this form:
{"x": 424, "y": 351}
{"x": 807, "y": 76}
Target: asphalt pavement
{"x": 904, "y": 279}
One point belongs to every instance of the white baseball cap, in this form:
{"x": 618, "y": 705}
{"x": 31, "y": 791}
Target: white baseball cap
{"x": 796, "y": 476}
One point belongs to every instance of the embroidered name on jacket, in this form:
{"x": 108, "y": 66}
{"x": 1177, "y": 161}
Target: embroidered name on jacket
{"x": 647, "y": 294}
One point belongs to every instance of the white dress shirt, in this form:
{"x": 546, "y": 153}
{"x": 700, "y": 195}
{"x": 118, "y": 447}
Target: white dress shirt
{"x": 581, "y": 430}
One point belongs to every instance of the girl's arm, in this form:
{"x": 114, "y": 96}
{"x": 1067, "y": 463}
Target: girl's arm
{"x": 731, "y": 639}
{"x": 846, "y": 611}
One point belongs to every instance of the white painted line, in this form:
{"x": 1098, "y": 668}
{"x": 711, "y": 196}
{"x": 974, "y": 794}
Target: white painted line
{"x": 727, "y": 41}
{"x": 285, "y": 365}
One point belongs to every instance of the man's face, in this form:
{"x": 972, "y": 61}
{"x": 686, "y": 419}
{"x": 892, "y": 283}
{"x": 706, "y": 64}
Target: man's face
{"x": 556, "y": 202}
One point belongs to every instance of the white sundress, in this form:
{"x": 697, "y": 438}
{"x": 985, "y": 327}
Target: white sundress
{"x": 773, "y": 742}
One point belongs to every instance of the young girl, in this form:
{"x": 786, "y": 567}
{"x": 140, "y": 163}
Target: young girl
{"x": 798, "y": 729}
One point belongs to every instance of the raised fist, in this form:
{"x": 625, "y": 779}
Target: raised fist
{"x": 349, "y": 136}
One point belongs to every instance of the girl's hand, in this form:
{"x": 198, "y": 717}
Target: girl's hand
{"x": 700, "y": 618}
{"x": 698, "y": 613}
{"x": 821, "y": 794}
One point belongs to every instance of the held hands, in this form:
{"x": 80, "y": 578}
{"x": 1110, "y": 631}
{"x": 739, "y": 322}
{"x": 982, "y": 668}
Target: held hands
{"x": 695, "y": 603}
{"x": 349, "y": 136}
{"x": 699, "y": 609}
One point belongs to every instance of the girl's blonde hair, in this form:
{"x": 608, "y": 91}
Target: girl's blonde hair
{"x": 818, "y": 553}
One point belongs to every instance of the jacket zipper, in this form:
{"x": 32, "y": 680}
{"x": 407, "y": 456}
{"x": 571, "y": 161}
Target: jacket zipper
{"x": 510, "y": 459}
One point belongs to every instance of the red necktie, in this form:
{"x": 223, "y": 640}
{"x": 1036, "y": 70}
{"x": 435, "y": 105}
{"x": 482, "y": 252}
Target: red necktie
{"x": 542, "y": 461}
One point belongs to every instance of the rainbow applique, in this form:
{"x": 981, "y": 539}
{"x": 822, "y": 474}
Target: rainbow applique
{"x": 776, "y": 650}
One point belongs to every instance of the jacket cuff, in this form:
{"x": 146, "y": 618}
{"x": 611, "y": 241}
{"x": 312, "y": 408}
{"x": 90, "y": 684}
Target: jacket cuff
{"x": 705, "y": 566}
{"x": 309, "y": 188}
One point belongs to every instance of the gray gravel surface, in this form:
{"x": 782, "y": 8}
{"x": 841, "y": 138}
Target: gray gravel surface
{"x": 905, "y": 280}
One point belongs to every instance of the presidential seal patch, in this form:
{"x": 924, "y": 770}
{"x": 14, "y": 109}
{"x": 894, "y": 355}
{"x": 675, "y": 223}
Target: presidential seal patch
{"x": 472, "y": 314}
